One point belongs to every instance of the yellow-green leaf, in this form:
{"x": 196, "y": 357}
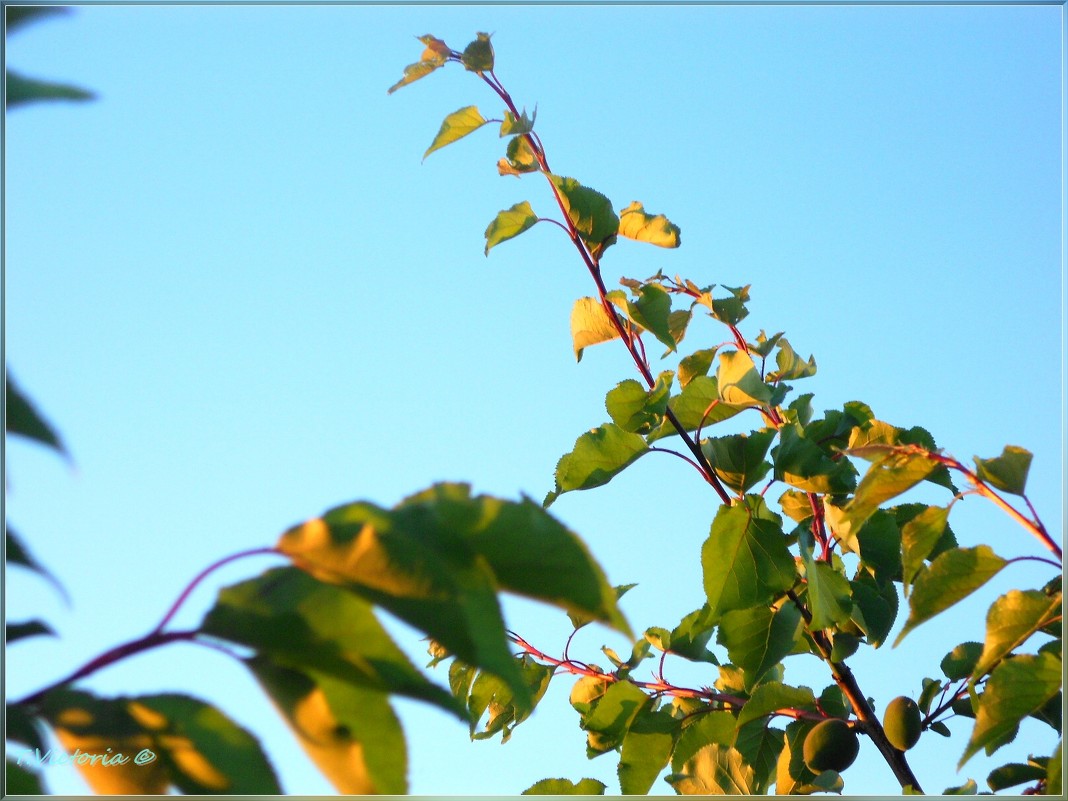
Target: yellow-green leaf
{"x": 510, "y": 223}
{"x": 590, "y": 325}
{"x": 635, "y": 223}
{"x": 456, "y": 126}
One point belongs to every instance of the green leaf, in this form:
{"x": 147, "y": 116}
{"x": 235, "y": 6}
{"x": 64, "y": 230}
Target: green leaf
{"x": 968, "y": 788}
{"x": 874, "y": 439}
{"x": 1013, "y": 774}
{"x": 456, "y": 126}
{"x": 801, "y": 463}
{"x": 18, "y": 554}
{"x": 21, "y": 781}
{"x": 829, "y": 593}
{"x": 24, "y": 726}
{"x": 1015, "y": 689}
{"x": 705, "y": 728}
{"x": 730, "y": 311}
{"x": 918, "y": 539}
{"x": 510, "y": 223}
{"x": 791, "y": 366}
{"x": 31, "y": 628}
{"x": 757, "y": 639}
{"x": 652, "y": 311}
{"x": 21, "y": 89}
{"x": 874, "y": 608}
{"x": 607, "y": 722}
{"x": 745, "y": 559}
{"x": 520, "y": 158}
{"x": 760, "y": 746}
{"x": 951, "y": 577}
{"x": 434, "y": 56}
{"x": 598, "y": 456}
{"x": 566, "y": 787}
{"x": 697, "y": 406}
{"x": 478, "y": 56}
{"x": 301, "y": 623}
{"x": 697, "y": 363}
{"x": 634, "y": 408}
{"x": 739, "y": 382}
{"x": 634, "y": 223}
{"x": 20, "y": 415}
{"x": 647, "y": 747}
{"x": 773, "y": 696}
{"x": 1053, "y": 775}
{"x": 960, "y": 662}
{"x": 590, "y": 213}
{"x": 879, "y": 544}
{"x": 18, "y": 16}
{"x": 350, "y": 732}
{"x": 1010, "y": 621}
{"x": 590, "y": 325}
{"x": 738, "y": 459}
{"x": 488, "y": 692}
{"x": 1007, "y": 472}
{"x": 890, "y": 474}
{"x": 690, "y": 638}
{"x": 192, "y": 745}
{"x": 516, "y": 126}
{"x": 714, "y": 770}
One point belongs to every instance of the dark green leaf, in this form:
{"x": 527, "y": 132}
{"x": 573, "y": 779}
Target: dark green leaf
{"x": 21, "y": 416}
{"x": 968, "y": 788}
{"x": 18, "y": 16}
{"x": 608, "y": 721}
{"x": 21, "y": 89}
{"x": 23, "y": 726}
{"x": 298, "y": 622}
{"x": 758, "y": 638}
{"x": 589, "y": 211}
{"x": 770, "y": 697}
{"x": 634, "y": 223}
{"x": 730, "y": 311}
{"x": 1016, "y": 688}
{"x": 21, "y": 781}
{"x": 566, "y": 787}
{"x": 745, "y": 559}
{"x": 598, "y": 456}
{"x": 801, "y": 463}
{"x": 1007, "y": 472}
{"x": 456, "y": 126}
{"x": 879, "y": 545}
{"x": 652, "y": 311}
{"x": 874, "y": 608}
{"x": 506, "y": 712}
{"x": 952, "y": 576}
{"x": 31, "y": 628}
{"x": 960, "y": 662}
{"x": 647, "y": 747}
{"x": 478, "y": 56}
{"x": 760, "y": 746}
{"x": 350, "y": 732}
{"x": 738, "y": 459}
{"x": 918, "y": 539}
{"x": 19, "y": 554}
{"x": 1013, "y": 774}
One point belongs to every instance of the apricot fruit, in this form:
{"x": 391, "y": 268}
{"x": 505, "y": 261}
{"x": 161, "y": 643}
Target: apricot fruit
{"x": 901, "y": 722}
{"x": 830, "y": 745}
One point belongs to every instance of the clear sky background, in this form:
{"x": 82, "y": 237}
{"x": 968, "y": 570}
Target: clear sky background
{"x": 242, "y": 298}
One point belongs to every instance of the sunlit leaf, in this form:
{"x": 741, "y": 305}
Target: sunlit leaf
{"x": 590, "y": 325}
{"x": 520, "y": 158}
{"x": 739, "y": 382}
{"x": 697, "y": 363}
{"x": 1011, "y": 620}
{"x": 968, "y": 788}
{"x": 510, "y": 223}
{"x": 434, "y": 56}
{"x": 714, "y": 770}
{"x": 634, "y": 408}
{"x": 598, "y": 456}
{"x": 168, "y": 740}
{"x": 478, "y": 56}
{"x": 611, "y": 714}
{"x": 918, "y": 538}
{"x": 1015, "y": 688}
{"x": 1007, "y": 472}
{"x": 697, "y": 406}
{"x": 350, "y": 732}
{"x": 801, "y": 463}
{"x": 791, "y": 366}
{"x": 889, "y": 475}
{"x": 1054, "y": 784}
{"x": 566, "y": 787}
{"x": 634, "y": 223}
{"x": 299, "y": 622}
{"x": 456, "y": 126}
{"x": 829, "y": 594}
{"x": 951, "y": 577}
{"x": 745, "y": 558}
{"x": 489, "y": 694}
{"x": 516, "y": 126}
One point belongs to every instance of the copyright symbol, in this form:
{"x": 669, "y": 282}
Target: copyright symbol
{"x": 144, "y": 756}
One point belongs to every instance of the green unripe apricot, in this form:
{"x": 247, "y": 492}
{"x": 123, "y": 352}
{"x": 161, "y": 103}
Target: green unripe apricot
{"x": 830, "y": 745}
{"x": 901, "y": 722}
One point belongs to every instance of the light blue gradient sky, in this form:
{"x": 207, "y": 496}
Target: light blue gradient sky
{"x": 242, "y": 299}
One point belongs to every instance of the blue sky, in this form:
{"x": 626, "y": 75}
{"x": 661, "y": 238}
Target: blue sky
{"x": 242, "y": 298}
